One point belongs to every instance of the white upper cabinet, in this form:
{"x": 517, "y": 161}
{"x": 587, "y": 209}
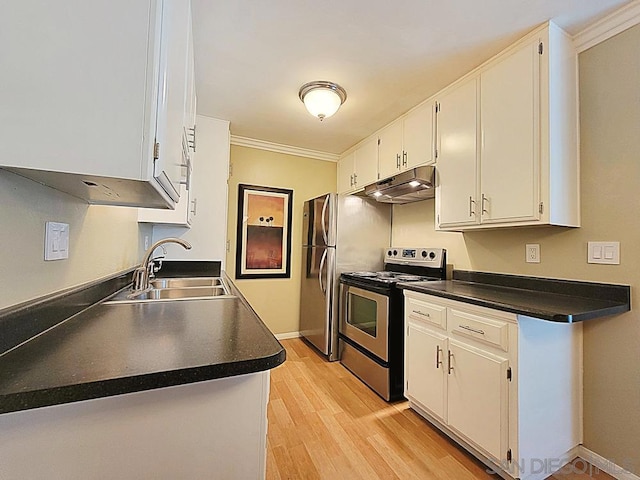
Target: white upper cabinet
{"x": 509, "y": 119}
{"x": 525, "y": 142}
{"x": 390, "y": 156}
{"x": 367, "y": 163}
{"x": 407, "y": 142}
{"x": 457, "y": 156}
{"x": 346, "y": 169}
{"x": 94, "y": 87}
{"x": 183, "y": 131}
{"x": 359, "y": 168}
{"x": 418, "y": 138}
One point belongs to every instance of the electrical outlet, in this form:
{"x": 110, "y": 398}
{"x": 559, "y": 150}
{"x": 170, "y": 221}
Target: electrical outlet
{"x": 56, "y": 241}
{"x": 532, "y": 252}
{"x": 146, "y": 242}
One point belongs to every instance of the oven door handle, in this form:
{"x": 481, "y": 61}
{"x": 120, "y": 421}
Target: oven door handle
{"x": 322, "y": 261}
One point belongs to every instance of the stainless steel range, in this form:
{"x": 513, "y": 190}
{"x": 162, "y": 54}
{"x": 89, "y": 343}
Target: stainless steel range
{"x": 371, "y": 340}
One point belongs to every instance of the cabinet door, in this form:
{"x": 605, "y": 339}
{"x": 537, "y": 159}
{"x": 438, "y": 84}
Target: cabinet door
{"x": 366, "y": 163}
{"x": 477, "y": 390}
{"x": 457, "y": 158}
{"x": 425, "y": 367}
{"x": 390, "y": 149}
{"x": 78, "y": 101}
{"x": 509, "y": 156}
{"x": 418, "y": 147}
{"x": 168, "y": 168}
{"x": 346, "y": 168}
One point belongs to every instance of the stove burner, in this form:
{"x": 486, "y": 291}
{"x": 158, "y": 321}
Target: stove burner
{"x": 364, "y": 274}
{"x": 390, "y": 277}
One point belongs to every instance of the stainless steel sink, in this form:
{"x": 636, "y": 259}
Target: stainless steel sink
{"x": 171, "y": 289}
{"x": 185, "y": 282}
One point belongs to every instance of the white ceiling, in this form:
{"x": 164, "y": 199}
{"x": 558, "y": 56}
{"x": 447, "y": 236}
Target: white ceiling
{"x": 252, "y": 56}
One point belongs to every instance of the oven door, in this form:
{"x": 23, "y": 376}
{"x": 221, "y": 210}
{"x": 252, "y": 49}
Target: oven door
{"x": 364, "y": 319}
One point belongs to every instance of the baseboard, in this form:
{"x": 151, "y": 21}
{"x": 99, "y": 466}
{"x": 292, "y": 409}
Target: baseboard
{"x": 607, "y": 466}
{"x": 287, "y": 335}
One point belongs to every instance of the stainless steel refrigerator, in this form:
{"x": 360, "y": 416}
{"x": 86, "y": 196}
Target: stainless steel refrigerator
{"x": 339, "y": 233}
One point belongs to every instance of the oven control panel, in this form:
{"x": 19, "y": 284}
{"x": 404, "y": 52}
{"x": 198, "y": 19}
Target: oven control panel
{"x": 428, "y": 257}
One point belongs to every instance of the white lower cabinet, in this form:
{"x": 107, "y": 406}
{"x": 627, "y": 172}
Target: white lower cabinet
{"x": 477, "y": 392}
{"x": 505, "y": 387}
{"x": 425, "y": 369}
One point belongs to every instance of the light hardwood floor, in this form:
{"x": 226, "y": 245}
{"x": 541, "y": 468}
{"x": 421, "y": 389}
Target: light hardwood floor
{"x": 326, "y": 424}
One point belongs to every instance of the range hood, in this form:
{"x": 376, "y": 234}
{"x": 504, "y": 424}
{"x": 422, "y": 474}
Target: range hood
{"x": 406, "y": 187}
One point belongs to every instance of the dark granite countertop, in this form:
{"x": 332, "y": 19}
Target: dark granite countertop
{"x": 548, "y": 299}
{"x": 112, "y": 349}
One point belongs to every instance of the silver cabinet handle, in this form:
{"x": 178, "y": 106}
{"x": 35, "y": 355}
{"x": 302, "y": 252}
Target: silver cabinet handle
{"x": 195, "y": 206}
{"x": 438, "y": 361}
{"x": 484, "y": 199}
{"x": 355, "y": 179}
{"x": 398, "y": 160}
{"x": 351, "y": 180}
{"x": 404, "y": 158}
{"x": 186, "y": 164}
{"x": 471, "y": 329}
{"x": 192, "y": 134}
{"x": 418, "y": 312}
{"x": 471, "y": 204}
{"x": 450, "y": 363}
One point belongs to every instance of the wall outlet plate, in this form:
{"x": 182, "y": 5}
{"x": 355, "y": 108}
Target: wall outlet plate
{"x": 532, "y": 252}
{"x": 56, "y": 241}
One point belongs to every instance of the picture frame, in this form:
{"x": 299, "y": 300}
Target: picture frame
{"x": 263, "y": 248}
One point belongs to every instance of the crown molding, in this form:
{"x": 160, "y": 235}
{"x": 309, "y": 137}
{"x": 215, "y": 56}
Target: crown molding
{"x": 286, "y": 149}
{"x": 620, "y": 20}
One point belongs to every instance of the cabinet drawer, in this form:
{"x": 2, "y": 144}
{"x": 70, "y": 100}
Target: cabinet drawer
{"x": 486, "y": 330}
{"x": 426, "y": 312}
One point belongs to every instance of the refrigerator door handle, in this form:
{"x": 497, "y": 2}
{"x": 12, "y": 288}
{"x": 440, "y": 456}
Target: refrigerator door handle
{"x": 322, "y": 260}
{"x": 324, "y": 226}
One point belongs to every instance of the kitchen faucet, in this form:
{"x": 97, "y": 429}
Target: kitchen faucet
{"x": 143, "y": 273}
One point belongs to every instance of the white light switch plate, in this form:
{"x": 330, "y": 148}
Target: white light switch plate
{"x": 56, "y": 241}
{"x": 603, "y": 252}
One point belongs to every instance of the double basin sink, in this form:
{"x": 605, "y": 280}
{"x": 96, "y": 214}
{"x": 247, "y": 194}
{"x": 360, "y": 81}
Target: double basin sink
{"x": 165, "y": 289}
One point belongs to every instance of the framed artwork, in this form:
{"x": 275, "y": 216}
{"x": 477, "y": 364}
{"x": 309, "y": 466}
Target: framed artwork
{"x": 263, "y": 247}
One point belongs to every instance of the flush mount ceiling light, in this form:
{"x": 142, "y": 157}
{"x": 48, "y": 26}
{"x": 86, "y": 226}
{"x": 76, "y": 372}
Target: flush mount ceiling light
{"x": 322, "y": 98}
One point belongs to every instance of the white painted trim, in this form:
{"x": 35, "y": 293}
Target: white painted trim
{"x": 620, "y": 20}
{"x": 616, "y": 471}
{"x": 280, "y": 148}
{"x": 288, "y": 335}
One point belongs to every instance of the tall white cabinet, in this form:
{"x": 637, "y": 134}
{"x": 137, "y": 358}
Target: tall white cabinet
{"x": 94, "y": 102}
{"x": 507, "y": 139}
{"x": 208, "y": 229}
{"x": 506, "y": 387}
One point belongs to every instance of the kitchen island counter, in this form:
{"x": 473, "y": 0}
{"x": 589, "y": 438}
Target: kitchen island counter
{"x": 113, "y": 349}
{"x": 554, "y": 300}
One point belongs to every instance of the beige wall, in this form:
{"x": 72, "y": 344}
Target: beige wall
{"x": 103, "y": 240}
{"x": 610, "y": 181}
{"x": 276, "y": 300}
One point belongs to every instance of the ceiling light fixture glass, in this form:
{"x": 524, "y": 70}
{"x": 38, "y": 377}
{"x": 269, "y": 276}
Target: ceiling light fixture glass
{"x": 322, "y": 98}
